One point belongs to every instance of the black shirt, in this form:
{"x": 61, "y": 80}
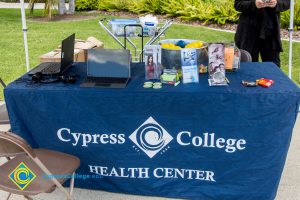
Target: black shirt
{"x": 267, "y": 26}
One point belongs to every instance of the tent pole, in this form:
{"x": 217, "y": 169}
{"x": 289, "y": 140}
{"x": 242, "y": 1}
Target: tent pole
{"x": 24, "y": 28}
{"x": 291, "y": 30}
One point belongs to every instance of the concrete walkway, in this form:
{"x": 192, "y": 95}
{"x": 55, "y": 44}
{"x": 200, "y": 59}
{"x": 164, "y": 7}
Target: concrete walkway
{"x": 289, "y": 188}
{"x": 18, "y": 5}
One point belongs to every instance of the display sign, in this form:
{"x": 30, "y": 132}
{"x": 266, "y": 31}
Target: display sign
{"x": 189, "y": 66}
{"x": 152, "y": 62}
{"x": 216, "y": 67}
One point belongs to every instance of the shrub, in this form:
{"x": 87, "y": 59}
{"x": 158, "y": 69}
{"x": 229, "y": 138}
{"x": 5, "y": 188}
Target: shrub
{"x": 285, "y": 17}
{"x": 145, "y": 6}
{"x": 113, "y": 5}
{"x": 208, "y": 11}
{"x": 174, "y": 8}
{"x": 86, "y": 5}
{"x": 223, "y": 12}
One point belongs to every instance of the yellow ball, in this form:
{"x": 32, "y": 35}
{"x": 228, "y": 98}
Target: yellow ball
{"x": 188, "y": 46}
{"x": 176, "y": 48}
{"x": 168, "y": 46}
{"x": 165, "y": 46}
{"x": 199, "y": 44}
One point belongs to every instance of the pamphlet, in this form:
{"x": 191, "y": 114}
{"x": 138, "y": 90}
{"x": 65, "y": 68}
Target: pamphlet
{"x": 189, "y": 66}
{"x": 237, "y": 59}
{"x": 216, "y": 67}
{"x": 152, "y": 62}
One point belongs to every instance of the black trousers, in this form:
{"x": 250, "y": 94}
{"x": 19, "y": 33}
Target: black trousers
{"x": 265, "y": 47}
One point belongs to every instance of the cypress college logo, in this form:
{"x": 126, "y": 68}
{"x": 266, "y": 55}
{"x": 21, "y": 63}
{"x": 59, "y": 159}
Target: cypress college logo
{"x": 151, "y": 137}
{"x": 22, "y": 176}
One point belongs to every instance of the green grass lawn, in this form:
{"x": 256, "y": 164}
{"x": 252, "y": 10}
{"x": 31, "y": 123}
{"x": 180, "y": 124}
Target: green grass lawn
{"x": 46, "y": 36}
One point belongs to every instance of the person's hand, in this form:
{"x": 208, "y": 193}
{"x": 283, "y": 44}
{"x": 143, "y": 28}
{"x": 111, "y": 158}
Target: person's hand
{"x": 272, "y": 3}
{"x": 260, "y": 4}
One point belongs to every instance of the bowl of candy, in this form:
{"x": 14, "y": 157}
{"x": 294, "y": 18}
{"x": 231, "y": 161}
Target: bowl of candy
{"x": 171, "y": 52}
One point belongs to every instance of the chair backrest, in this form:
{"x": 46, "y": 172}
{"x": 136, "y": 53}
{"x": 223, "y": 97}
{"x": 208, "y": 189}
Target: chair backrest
{"x": 4, "y": 119}
{"x": 13, "y": 145}
{"x": 245, "y": 56}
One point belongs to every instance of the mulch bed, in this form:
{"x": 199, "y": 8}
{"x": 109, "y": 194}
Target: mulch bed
{"x": 57, "y": 18}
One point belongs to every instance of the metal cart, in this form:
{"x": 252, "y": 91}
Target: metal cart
{"x": 129, "y": 32}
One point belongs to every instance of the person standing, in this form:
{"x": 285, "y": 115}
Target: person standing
{"x": 258, "y": 30}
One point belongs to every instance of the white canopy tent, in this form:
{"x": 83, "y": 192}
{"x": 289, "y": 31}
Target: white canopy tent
{"x": 24, "y": 27}
{"x": 291, "y": 30}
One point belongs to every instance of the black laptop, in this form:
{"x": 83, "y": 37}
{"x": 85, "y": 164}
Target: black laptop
{"x": 58, "y": 68}
{"x": 107, "y": 68}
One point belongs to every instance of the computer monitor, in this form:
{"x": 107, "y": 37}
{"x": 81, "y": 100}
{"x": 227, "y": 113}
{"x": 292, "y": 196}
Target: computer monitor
{"x": 111, "y": 63}
{"x": 67, "y": 52}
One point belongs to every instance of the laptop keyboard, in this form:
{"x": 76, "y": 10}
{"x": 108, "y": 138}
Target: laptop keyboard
{"x": 106, "y": 80}
{"x": 51, "y": 68}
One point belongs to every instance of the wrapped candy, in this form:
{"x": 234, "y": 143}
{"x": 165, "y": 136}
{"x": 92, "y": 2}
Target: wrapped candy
{"x": 264, "y": 82}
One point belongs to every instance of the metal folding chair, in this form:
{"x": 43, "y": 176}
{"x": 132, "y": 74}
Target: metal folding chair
{"x": 45, "y": 164}
{"x": 4, "y": 120}
{"x": 245, "y": 56}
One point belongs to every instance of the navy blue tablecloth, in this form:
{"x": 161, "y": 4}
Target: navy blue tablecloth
{"x": 190, "y": 141}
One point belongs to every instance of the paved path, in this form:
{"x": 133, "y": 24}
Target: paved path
{"x": 18, "y": 5}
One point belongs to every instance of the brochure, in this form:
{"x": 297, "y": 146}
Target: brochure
{"x": 237, "y": 59}
{"x": 189, "y": 66}
{"x": 216, "y": 67}
{"x": 152, "y": 62}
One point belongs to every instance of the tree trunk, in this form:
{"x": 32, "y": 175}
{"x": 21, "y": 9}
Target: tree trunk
{"x": 62, "y": 7}
{"x": 72, "y": 7}
{"x": 47, "y": 9}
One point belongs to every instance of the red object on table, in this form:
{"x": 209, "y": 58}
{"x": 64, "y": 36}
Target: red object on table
{"x": 264, "y": 82}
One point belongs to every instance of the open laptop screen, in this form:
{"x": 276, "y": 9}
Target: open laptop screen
{"x": 108, "y": 63}
{"x": 67, "y": 49}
